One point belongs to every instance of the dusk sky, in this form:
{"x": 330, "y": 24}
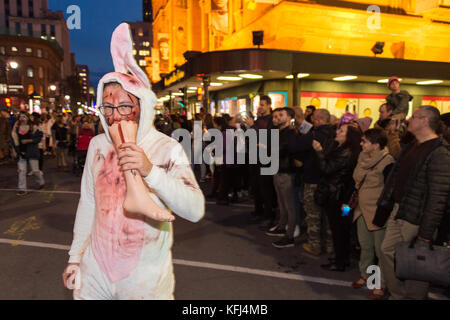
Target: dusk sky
{"x": 98, "y": 20}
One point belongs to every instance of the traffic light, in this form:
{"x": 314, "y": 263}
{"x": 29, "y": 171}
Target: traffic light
{"x": 199, "y": 93}
{"x": 8, "y": 102}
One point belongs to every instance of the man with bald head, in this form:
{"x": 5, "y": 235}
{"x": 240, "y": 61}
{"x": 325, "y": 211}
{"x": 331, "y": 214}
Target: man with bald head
{"x": 300, "y": 122}
{"x": 319, "y": 234}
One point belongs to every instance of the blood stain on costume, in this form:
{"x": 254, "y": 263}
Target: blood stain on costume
{"x": 117, "y": 238}
{"x": 189, "y": 183}
{"x": 167, "y": 166}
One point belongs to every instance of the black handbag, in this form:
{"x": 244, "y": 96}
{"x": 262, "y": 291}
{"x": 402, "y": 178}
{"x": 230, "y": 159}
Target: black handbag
{"x": 418, "y": 260}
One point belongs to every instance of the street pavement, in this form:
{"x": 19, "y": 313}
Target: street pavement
{"x": 224, "y": 256}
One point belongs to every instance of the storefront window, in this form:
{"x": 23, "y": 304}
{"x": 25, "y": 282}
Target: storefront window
{"x": 279, "y": 99}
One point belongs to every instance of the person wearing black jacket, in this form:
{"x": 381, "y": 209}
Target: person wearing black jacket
{"x": 317, "y": 225}
{"x": 263, "y": 189}
{"x": 337, "y": 163}
{"x": 284, "y": 181}
{"x": 25, "y": 139}
{"x": 414, "y": 199}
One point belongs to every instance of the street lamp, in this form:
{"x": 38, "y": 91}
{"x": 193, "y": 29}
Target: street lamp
{"x": 53, "y": 87}
{"x": 13, "y": 64}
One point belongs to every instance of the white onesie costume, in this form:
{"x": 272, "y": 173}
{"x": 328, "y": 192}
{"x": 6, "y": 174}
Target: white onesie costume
{"x": 123, "y": 255}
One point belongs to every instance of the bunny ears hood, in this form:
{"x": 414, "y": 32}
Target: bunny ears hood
{"x": 137, "y": 83}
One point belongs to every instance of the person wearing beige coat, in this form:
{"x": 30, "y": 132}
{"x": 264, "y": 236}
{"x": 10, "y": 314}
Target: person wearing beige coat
{"x": 373, "y": 165}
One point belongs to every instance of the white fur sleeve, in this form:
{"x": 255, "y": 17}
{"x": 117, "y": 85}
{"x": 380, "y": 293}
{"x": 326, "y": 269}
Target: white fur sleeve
{"x": 175, "y": 184}
{"x": 86, "y": 209}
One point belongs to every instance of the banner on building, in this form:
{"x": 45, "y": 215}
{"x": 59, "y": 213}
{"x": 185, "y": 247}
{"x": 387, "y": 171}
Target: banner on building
{"x": 155, "y": 65}
{"x": 164, "y": 52}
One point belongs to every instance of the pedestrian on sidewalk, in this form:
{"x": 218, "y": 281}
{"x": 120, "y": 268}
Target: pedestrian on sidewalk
{"x": 5, "y": 145}
{"x": 374, "y": 164}
{"x": 284, "y": 181}
{"x": 414, "y": 199}
{"x": 60, "y": 138}
{"x": 335, "y": 188}
{"x": 26, "y": 138}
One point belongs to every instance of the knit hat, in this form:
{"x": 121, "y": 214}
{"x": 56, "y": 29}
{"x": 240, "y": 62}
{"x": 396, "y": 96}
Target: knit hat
{"x": 392, "y": 79}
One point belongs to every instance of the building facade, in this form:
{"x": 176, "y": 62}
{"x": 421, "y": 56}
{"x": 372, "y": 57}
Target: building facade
{"x": 82, "y": 73}
{"x": 315, "y": 40}
{"x": 37, "y": 73}
{"x": 143, "y": 40}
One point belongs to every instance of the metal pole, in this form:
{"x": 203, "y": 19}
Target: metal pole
{"x": 205, "y": 100}
{"x": 295, "y": 90}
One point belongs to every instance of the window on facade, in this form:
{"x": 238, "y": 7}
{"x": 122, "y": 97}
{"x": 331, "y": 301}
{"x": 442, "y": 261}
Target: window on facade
{"x": 30, "y": 72}
{"x": 29, "y": 50}
{"x": 19, "y": 8}
{"x": 30, "y": 29}
{"x": 14, "y": 49}
{"x": 134, "y": 52}
{"x": 146, "y": 44}
{"x": 30, "y": 9}
{"x": 43, "y": 30}
{"x": 144, "y": 53}
{"x": 30, "y": 89}
{"x": 142, "y": 63}
{"x": 2, "y": 50}
{"x": 18, "y": 28}
{"x": 52, "y": 30}
{"x": 39, "y": 53}
{"x": 140, "y": 32}
{"x": 41, "y": 73}
{"x": 145, "y": 33}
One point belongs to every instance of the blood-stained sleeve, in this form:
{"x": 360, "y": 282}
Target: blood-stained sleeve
{"x": 86, "y": 208}
{"x": 175, "y": 184}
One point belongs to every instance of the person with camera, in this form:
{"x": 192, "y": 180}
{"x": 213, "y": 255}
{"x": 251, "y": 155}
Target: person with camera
{"x": 336, "y": 164}
{"x": 414, "y": 198}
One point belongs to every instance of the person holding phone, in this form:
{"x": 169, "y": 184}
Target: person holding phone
{"x": 337, "y": 163}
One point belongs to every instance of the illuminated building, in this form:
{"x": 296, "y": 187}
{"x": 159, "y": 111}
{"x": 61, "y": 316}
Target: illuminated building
{"x": 321, "y": 38}
{"x": 142, "y": 38}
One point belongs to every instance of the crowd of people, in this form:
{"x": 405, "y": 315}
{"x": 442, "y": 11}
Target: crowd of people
{"x": 29, "y": 139}
{"x": 340, "y": 183}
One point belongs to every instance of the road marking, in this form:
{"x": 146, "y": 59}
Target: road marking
{"x": 199, "y": 264}
{"x": 20, "y": 227}
{"x": 35, "y": 244}
{"x": 77, "y": 192}
{"x": 43, "y": 191}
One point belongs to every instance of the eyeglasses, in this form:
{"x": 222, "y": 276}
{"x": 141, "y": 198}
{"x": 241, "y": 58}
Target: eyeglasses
{"x": 109, "y": 110}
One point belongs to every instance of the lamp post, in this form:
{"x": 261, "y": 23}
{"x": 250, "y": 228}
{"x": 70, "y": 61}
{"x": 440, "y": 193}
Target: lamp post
{"x": 13, "y": 65}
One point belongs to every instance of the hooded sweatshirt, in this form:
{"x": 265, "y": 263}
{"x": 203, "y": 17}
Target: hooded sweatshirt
{"x": 120, "y": 241}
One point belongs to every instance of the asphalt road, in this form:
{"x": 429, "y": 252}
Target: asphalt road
{"x": 224, "y": 256}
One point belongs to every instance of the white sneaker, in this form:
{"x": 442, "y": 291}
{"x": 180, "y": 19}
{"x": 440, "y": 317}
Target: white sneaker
{"x": 297, "y": 231}
{"x": 274, "y": 228}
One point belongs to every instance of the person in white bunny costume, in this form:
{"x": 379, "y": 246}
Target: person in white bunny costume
{"x": 123, "y": 234}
